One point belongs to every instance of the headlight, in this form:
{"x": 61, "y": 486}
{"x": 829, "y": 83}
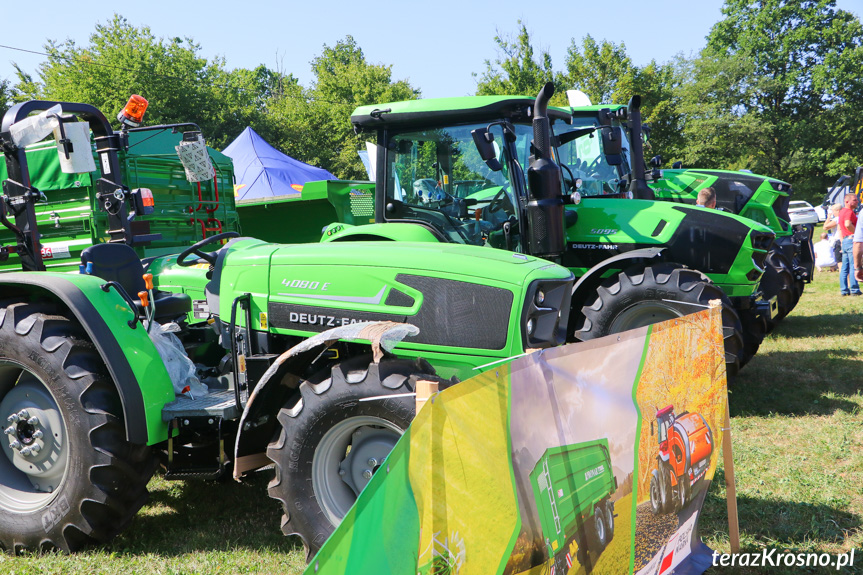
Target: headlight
{"x": 546, "y": 313}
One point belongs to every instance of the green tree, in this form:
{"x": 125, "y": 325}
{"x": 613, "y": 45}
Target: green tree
{"x": 516, "y": 71}
{"x": 5, "y": 96}
{"x": 181, "y": 86}
{"x": 776, "y": 90}
{"x": 605, "y": 72}
{"x": 313, "y": 124}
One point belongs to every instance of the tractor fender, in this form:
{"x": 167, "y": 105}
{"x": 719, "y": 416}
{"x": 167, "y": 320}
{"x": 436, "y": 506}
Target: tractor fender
{"x": 684, "y": 439}
{"x": 588, "y": 283}
{"x": 279, "y": 382}
{"x": 97, "y": 311}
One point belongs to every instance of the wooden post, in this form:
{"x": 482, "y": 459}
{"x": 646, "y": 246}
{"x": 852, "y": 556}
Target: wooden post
{"x": 730, "y": 487}
{"x": 425, "y": 389}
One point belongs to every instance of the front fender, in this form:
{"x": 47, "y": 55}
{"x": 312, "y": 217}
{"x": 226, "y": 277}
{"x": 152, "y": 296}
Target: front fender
{"x": 588, "y": 283}
{"x": 258, "y": 422}
{"x": 133, "y": 362}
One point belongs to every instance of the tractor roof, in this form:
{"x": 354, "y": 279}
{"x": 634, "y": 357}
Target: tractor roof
{"x": 592, "y": 110}
{"x": 664, "y": 411}
{"x": 446, "y": 111}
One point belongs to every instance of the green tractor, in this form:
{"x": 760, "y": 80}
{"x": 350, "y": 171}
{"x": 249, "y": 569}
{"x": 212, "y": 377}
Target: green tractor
{"x": 451, "y": 171}
{"x": 226, "y": 361}
{"x": 790, "y": 260}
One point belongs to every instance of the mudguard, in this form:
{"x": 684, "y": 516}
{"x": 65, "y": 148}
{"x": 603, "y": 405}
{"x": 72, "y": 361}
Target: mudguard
{"x": 258, "y": 421}
{"x": 589, "y": 281}
{"x": 132, "y": 360}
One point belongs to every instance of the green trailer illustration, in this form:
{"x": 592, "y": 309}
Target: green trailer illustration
{"x": 572, "y": 487}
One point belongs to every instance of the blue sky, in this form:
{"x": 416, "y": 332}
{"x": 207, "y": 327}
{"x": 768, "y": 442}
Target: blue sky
{"x": 435, "y": 45}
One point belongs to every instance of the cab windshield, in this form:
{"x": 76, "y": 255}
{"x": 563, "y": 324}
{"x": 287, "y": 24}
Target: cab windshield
{"x": 438, "y": 177}
{"x": 585, "y": 159}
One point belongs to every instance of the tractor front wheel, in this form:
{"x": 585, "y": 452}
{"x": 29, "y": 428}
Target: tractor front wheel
{"x": 658, "y": 499}
{"x": 68, "y": 477}
{"x": 330, "y": 443}
{"x": 637, "y": 297}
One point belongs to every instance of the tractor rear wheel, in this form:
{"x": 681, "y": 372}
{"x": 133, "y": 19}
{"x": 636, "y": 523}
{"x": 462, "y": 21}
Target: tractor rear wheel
{"x": 637, "y": 297}
{"x": 68, "y": 477}
{"x": 329, "y": 443}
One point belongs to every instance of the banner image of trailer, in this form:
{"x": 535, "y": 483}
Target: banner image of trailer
{"x": 572, "y": 486}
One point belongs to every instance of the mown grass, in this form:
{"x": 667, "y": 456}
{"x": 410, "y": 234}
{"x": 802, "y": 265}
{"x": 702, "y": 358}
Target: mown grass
{"x": 797, "y": 424}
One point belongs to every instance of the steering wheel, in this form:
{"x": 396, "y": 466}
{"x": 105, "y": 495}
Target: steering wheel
{"x": 499, "y": 203}
{"x": 209, "y": 257}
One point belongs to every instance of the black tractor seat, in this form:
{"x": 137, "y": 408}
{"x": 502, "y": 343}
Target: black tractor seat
{"x": 120, "y": 263}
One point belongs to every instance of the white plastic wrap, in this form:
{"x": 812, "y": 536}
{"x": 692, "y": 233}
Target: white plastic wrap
{"x": 180, "y": 368}
{"x": 196, "y": 160}
{"x": 34, "y": 128}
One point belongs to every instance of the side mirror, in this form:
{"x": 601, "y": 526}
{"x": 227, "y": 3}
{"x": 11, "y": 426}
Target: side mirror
{"x": 484, "y": 142}
{"x": 612, "y": 145}
{"x": 677, "y": 165}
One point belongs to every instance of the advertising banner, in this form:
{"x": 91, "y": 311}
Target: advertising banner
{"x": 589, "y": 458}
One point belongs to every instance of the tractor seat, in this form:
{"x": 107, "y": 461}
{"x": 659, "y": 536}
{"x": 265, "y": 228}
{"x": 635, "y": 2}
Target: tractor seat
{"x": 120, "y": 263}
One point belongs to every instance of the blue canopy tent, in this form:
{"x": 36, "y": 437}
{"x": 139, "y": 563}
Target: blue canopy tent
{"x": 264, "y": 172}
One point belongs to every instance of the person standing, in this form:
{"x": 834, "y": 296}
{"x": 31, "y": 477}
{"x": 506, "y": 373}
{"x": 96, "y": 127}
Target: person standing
{"x": 858, "y": 253}
{"x": 847, "y": 224}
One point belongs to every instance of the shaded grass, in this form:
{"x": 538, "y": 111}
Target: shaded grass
{"x": 797, "y": 423}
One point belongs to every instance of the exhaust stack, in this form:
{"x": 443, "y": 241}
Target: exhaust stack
{"x": 545, "y": 209}
{"x": 638, "y": 186}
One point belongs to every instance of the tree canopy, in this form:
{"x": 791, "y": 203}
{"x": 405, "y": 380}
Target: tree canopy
{"x": 776, "y": 89}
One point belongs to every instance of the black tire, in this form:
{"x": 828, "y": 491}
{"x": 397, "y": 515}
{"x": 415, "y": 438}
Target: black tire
{"x": 658, "y": 499}
{"x": 86, "y": 482}
{"x": 321, "y": 425}
{"x": 778, "y": 280}
{"x": 609, "y": 518}
{"x": 683, "y": 491}
{"x": 641, "y": 296}
{"x": 599, "y": 529}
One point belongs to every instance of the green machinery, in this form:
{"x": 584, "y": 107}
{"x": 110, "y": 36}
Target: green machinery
{"x": 70, "y": 221}
{"x": 302, "y": 348}
{"x": 790, "y": 260}
{"x": 451, "y": 171}
{"x": 572, "y": 488}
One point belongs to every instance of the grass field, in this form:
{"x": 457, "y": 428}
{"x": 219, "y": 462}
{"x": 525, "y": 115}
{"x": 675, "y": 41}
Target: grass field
{"x": 797, "y": 428}
{"x": 797, "y": 424}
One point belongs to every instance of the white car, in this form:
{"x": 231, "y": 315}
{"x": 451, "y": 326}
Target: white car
{"x": 822, "y": 213}
{"x": 801, "y": 212}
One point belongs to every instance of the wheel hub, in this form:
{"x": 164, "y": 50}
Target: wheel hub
{"x": 346, "y": 458}
{"x": 35, "y": 443}
{"x": 369, "y": 449}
